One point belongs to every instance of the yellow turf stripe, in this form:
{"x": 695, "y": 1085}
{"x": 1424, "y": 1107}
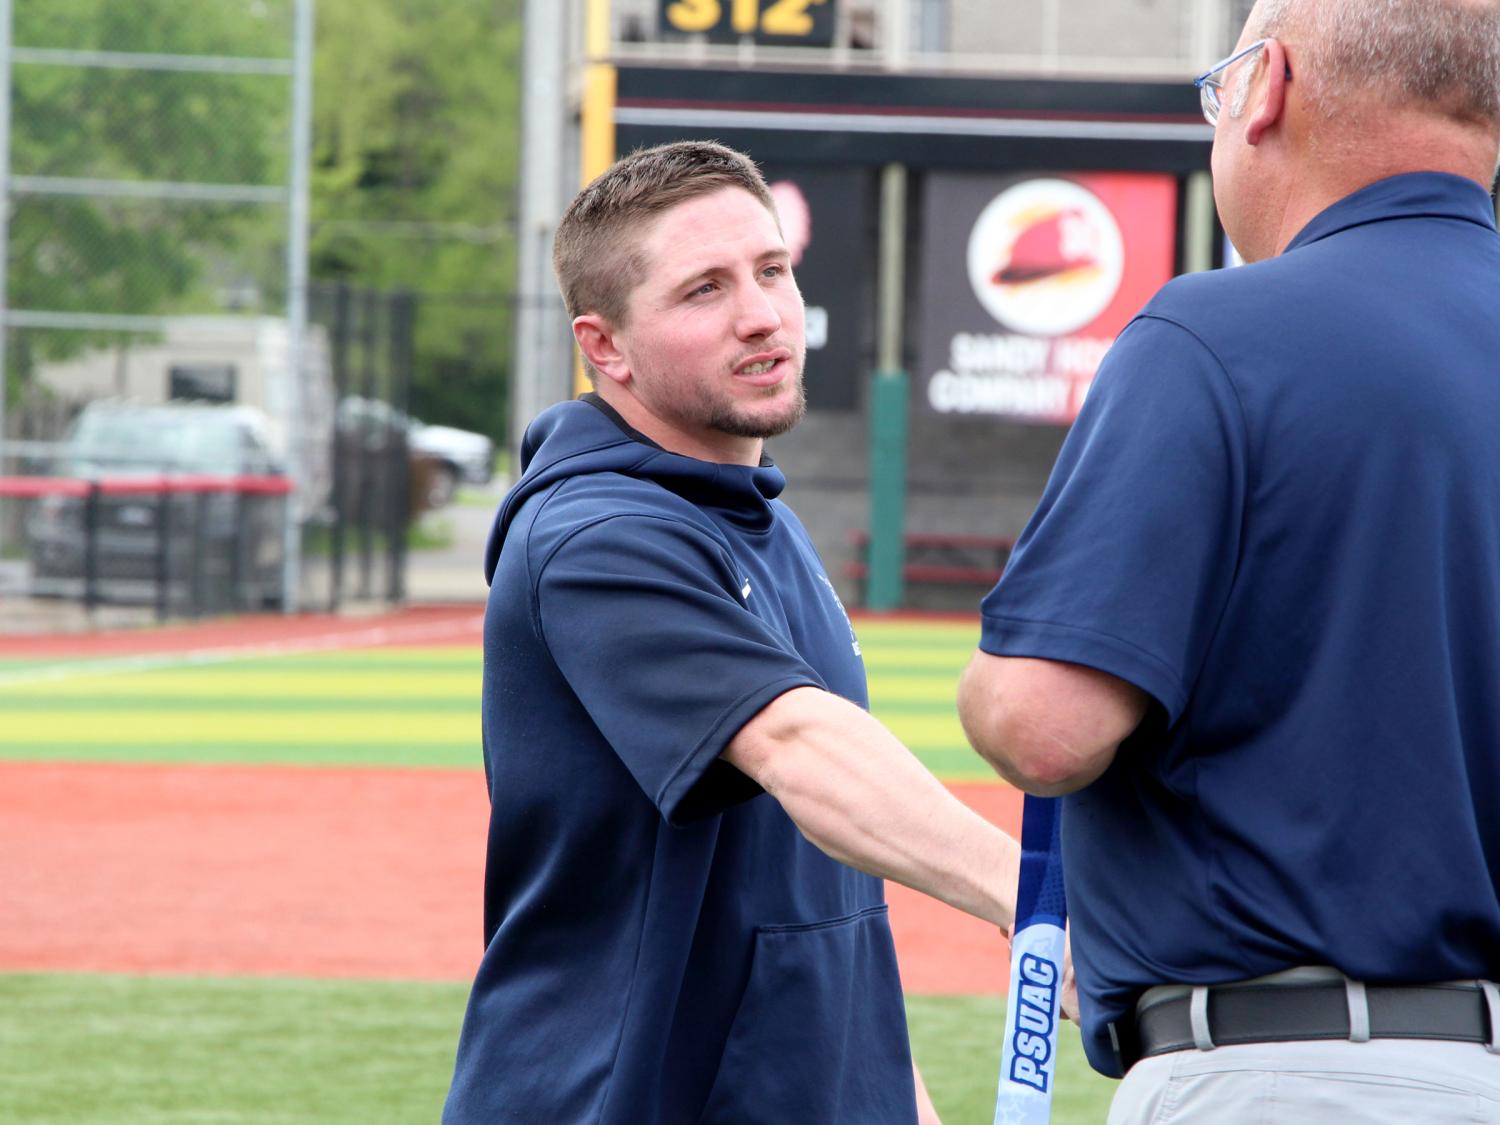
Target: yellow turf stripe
{"x": 129, "y": 728}
{"x": 308, "y": 684}
{"x": 895, "y": 688}
{"x": 919, "y": 731}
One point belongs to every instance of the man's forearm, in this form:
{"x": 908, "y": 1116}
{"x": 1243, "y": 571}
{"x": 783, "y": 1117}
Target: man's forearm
{"x": 861, "y": 796}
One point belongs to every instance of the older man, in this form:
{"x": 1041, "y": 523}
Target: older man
{"x": 675, "y": 740}
{"x": 1253, "y": 629}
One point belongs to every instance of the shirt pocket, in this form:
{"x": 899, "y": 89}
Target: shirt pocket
{"x": 820, "y": 1034}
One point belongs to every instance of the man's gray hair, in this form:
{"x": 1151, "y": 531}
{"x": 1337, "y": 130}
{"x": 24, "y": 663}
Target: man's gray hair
{"x": 1442, "y": 53}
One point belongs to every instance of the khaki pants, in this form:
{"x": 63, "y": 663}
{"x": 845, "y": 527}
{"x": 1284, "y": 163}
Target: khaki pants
{"x": 1324, "y": 1082}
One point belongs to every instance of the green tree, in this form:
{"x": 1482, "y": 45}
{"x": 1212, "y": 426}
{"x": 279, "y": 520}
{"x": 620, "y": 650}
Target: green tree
{"x": 415, "y": 150}
{"x": 100, "y": 254}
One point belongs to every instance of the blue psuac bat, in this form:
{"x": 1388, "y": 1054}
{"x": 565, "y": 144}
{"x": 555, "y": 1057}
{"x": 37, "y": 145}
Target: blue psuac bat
{"x": 1028, "y": 1063}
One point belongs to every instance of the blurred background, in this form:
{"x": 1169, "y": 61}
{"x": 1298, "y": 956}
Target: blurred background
{"x": 336, "y": 218}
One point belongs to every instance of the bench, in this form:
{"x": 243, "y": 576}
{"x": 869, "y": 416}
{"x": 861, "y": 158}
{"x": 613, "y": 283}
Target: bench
{"x": 938, "y": 559}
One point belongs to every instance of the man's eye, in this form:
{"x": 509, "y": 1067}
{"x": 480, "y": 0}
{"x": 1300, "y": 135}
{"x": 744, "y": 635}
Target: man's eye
{"x": 773, "y": 271}
{"x": 706, "y": 287}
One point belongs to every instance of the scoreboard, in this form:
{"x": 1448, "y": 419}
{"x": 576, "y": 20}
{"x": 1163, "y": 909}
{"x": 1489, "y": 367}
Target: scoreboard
{"x": 797, "y": 23}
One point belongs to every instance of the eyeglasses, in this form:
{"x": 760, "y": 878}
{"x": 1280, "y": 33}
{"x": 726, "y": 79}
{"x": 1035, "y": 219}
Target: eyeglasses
{"x": 1211, "y": 87}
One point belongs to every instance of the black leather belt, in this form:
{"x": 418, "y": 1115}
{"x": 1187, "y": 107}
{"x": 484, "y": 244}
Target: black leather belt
{"x": 1284, "y": 1012}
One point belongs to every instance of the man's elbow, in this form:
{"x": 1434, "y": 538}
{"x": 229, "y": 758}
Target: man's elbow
{"x": 1042, "y": 769}
{"x": 1048, "y": 728}
{"x": 1022, "y": 751}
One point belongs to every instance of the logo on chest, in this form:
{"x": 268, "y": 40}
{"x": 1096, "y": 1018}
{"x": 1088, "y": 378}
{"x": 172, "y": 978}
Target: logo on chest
{"x": 832, "y": 593}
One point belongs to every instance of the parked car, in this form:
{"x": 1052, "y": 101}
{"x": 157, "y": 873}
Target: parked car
{"x": 443, "y": 457}
{"x": 216, "y": 538}
{"x": 460, "y": 456}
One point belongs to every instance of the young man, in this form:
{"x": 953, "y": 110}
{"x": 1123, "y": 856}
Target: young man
{"x": 1253, "y": 628}
{"x": 675, "y": 736}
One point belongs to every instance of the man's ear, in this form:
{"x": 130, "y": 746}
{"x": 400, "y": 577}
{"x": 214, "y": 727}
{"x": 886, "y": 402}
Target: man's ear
{"x": 1267, "y": 111}
{"x": 596, "y": 340}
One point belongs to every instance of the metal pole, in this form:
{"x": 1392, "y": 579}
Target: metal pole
{"x": 1198, "y": 218}
{"x": 369, "y": 461}
{"x": 163, "y": 553}
{"x": 541, "y": 361}
{"x": 1051, "y": 33}
{"x": 296, "y": 299}
{"x": 399, "y": 506}
{"x": 6, "y": 32}
{"x": 199, "y": 588}
{"x": 1210, "y": 31}
{"x": 933, "y": 30}
{"x": 895, "y": 35}
{"x": 91, "y": 548}
{"x": 888, "y": 404}
{"x": 346, "y": 444}
{"x": 596, "y": 115}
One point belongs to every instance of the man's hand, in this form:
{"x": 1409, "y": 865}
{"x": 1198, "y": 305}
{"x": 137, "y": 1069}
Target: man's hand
{"x": 1068, "y": 997}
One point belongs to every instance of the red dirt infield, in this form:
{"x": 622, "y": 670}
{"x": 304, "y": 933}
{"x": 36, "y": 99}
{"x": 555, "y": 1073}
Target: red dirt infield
{"x": 290, "y": 871}
{"x": 422, "y": 625}
{"x": 302, "y": 871}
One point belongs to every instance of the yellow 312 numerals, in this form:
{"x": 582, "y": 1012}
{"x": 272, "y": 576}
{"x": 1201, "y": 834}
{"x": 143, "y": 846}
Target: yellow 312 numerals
{"x": 789, "y": 18}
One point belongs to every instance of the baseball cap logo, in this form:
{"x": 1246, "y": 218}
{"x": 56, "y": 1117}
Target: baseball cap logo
{"x": 1046, "y": 257}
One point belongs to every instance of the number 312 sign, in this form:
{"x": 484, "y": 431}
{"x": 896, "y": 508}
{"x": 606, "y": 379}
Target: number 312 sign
{"x": 806, "y": 23}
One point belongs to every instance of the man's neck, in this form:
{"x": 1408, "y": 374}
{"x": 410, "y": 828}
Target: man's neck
{"x": 1410, "y": 143}
{"x": 719, "y": 448}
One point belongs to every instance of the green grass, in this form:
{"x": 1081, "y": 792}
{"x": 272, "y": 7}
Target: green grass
{"x": 90, "y": 1049}
{"x": 956, "y": 1042}
{"x": 469, "y": 496}
{"x": 430, "y": 531}
{"x": 104, "y": 1048}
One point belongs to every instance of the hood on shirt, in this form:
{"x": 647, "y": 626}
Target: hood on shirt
{"x": 586, "y": 435}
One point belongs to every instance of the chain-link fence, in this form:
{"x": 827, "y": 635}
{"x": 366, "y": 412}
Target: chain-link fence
{"x": 153, "y": 214}
{"x": 149, "y": 165}
{"x": 171, "y": 384}
{"x": 356, "y": 546}
{"x": 152, "y": 472}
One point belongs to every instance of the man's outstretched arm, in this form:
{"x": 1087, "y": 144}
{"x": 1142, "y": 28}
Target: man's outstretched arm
{"x": 863, "y": 798}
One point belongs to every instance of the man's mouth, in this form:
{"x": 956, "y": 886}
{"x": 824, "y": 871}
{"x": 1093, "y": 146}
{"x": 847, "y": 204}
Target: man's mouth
{"x": 763, "y": 369}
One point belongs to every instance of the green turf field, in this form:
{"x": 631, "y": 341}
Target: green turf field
{"x": 87, "y": 1049}
{"x": 387, "y": 707}
{"x": 76, "y": 1048}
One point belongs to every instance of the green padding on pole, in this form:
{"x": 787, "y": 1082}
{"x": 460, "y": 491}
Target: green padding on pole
{"x": 888, "y": 407}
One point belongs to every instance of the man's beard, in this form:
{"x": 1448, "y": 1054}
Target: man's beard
{"x": 728, "y": 418}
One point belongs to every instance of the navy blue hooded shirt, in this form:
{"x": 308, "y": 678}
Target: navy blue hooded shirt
{"x": 661, "y": 943}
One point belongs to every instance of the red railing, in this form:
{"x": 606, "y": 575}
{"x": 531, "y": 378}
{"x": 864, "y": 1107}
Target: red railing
{"x": 147, "y": 485}
{"x": 94, "y": 560}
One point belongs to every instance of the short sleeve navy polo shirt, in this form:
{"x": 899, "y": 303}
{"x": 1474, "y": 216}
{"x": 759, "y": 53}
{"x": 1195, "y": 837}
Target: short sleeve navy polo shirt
{"x": 1279, "y": 515}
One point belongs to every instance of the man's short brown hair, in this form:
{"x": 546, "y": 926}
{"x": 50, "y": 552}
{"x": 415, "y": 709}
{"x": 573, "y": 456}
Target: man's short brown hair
{"x": 596, "y": 252}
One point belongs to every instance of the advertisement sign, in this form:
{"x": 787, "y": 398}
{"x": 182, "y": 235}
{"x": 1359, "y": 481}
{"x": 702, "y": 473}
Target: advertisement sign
{"x": 826, "y": 215}
{"x": 1025, "y": 282}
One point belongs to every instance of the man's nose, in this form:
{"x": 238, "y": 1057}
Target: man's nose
{"x": 757, "y": 315}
